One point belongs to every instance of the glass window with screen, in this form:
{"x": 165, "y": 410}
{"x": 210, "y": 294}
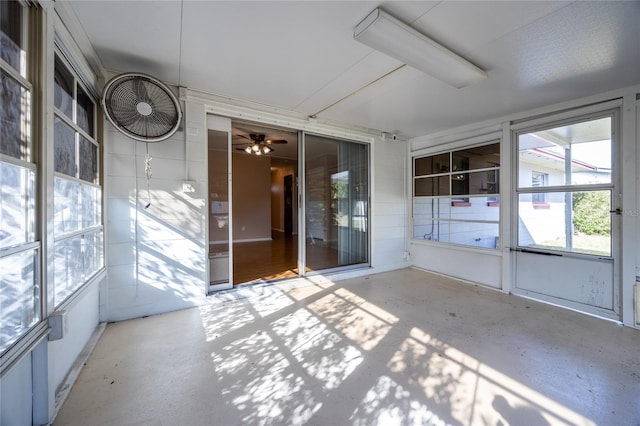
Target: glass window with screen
{"x": 456, "y": 196}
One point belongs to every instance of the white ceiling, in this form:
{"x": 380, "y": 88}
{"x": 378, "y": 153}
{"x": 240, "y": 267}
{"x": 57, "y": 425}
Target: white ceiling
{"x": 300, "y": 55}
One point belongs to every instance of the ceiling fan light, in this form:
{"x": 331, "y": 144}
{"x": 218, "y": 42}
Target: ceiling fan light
{"x": 266, "y": 149}
{"x": 255, "y": 148}
{"x": 258, "y": 152}
{"x": 248, "y": 150}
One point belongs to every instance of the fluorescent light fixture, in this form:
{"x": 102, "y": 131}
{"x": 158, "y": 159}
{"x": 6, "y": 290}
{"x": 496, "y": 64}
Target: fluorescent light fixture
{"x": 393, "y": 37}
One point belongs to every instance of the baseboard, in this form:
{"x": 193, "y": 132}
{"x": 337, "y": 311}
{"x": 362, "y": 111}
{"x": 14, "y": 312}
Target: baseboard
{"x": 65, "y": 387}
{"x": 251, "y": 240}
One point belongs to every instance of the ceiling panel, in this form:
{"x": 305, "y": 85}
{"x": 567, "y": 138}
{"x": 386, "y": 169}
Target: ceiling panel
{"x": 273, "y": 53}
{"x": 575, "y": 52}
{"x": 301, "y": 56}
{"x": 134, "y": 36}
{"x": 465, "y": 26}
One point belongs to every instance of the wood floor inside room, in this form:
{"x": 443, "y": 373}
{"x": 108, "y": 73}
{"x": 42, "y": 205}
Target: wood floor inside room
{"x": 258, "y": 261}
{"x": 266, "y": 260}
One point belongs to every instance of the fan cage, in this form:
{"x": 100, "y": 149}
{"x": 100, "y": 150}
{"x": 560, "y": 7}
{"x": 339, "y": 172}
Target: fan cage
{"x": 141, "y": 107}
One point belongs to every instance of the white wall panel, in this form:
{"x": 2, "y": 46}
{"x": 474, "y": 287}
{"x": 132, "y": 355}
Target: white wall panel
{"x": 389, "y": 207}
{"x": 81, "y": 321}
{"x": 155, "y": 255}
{"x": 584, "y": 280}
{"x": 16, "y": 391}
{"x": 467, "y": 264}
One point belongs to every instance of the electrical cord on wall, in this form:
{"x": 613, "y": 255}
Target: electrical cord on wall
{"x": 135, "y": 219}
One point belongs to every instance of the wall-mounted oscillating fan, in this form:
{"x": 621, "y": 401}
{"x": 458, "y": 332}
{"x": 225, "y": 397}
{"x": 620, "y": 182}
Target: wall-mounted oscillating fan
{"x": 141, "y": 107}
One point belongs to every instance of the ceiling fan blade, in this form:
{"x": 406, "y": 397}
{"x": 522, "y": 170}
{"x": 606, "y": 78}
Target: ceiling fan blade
{"x": 275, "y": 141}
{"x": 244, "y": 136}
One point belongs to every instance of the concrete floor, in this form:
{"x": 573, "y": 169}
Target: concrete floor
{"x": 405, "y": 347}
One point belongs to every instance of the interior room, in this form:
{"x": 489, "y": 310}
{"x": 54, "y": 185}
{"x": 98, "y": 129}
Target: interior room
{"x": 345, "y": 212}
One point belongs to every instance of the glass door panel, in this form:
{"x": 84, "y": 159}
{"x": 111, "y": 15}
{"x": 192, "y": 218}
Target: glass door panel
{"x": 336, "y": 205}
{"x": 219, "y": 203}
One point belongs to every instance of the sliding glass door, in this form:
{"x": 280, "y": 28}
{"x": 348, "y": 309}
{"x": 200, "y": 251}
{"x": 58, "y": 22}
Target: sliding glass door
{"x": 336, "y": 176}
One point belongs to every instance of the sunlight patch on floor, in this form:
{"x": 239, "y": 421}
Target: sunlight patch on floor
{"x": 350, "y": 314}
{"x": 221, "y": 319}
{"x": 452, "y": 378}
{"x": 388, "y": 403}
{"x": 257, "y": 378}
{"x": 271, "y": 301}
{"x": 301, "y": 293}
{"x": 322, "y": 353}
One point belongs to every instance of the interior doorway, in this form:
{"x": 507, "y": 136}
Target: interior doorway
{"x": 264, "y": 190}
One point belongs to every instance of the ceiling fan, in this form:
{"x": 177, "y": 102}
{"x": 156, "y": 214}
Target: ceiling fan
{"x": 258, "y": 144}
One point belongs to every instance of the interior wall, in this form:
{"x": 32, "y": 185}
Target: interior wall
{"x": 388, "y": 205}
{"x": 156, "y": 255}
{"x": 80, "y": 323}
{"x": 251, "y": 197}
{"x": 16, "y": 403}
{"x": 277, "y": 197}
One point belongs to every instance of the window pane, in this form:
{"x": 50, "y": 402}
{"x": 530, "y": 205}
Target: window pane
{"x": 63, "y": 89}
{"x": 12, "y": 40}
{"x": 431, "y": 165}
{"x": 93, "y": 254}
{"x": 90, "y": 204}
{"x": 337, "y": 192}
{"x": 431, "y": 230}
{"x": 475, "y": 183}
{"x": 474, "y": 234}
{"x": 66, "y": 203}
{"x": 19, "y": 300}
{"x": 15, "y": 109}
{"x": 85, "y": 111}
{"x": 480, "y": 157}
{"x": 68, "y": 267}
{"x": 575, "y": 154}
{"x": 425, "y": 187}
{"x": 17, "y": 205}
{"x": 477, "y": 208}
{"x": 88, "y": 161}
{"x": 569, "y": 221}
{"x": 431, "y": 208}
{"x": 64, "y": 148}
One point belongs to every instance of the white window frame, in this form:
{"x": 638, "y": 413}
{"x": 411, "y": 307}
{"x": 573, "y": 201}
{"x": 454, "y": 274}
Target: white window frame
{"x": 94, "y": 229}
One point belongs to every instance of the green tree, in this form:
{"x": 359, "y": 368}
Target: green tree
{"x": 591, "y": 212}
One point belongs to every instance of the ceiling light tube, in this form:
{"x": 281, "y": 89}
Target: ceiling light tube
{"x": 393, "y": 37}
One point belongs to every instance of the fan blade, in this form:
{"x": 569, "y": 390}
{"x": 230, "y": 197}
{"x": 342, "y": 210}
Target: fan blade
{"x": 276, "y": 141}
{"x": 140, "y": 89}
{"x": 245, "y": 137}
